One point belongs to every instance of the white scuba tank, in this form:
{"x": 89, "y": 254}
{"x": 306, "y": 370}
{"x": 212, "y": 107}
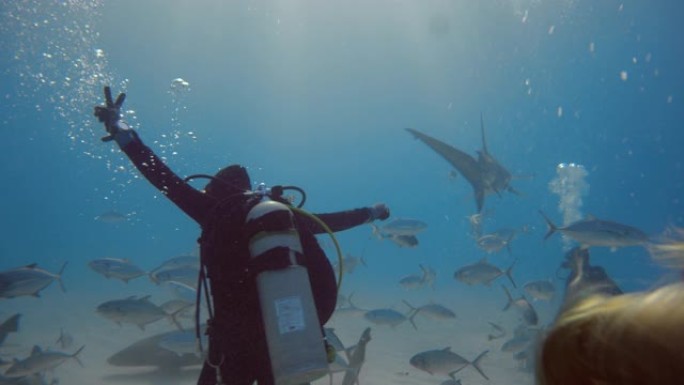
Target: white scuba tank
{"x": 293, "y": 332}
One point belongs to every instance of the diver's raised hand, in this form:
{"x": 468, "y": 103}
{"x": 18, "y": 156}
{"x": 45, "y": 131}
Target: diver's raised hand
{"x": 110, "y": 114}
{"x": 379, "y": 211}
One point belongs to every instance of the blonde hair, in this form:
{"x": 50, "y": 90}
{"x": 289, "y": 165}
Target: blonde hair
{"x": 627, "y": 339}
{"x": 668, "y": 248}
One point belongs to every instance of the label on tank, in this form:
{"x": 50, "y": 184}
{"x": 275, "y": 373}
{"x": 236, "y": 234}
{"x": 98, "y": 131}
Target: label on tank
{"x": 290, "y": 314}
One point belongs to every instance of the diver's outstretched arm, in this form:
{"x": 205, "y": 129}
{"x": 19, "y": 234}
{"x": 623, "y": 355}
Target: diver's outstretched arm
{"x": 344, "y": 220}
{"x": 194, "y": 203}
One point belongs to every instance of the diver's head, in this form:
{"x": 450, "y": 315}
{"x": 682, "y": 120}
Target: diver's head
{"x": 229, "y": 181}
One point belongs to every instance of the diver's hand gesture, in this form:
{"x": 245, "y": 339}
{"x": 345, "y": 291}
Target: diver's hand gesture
{"x": 110, "y": 114}
{"x": 379, "y": 211}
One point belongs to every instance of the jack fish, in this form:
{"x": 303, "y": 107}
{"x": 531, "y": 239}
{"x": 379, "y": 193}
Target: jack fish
{"x": 445, "y": 362}
{"x": 138, "y": 311}
{"x": 117, "y": 268}
{"x": 27, "y": 281}
{"x": 40, "y": 361}
{"x": 524, "y": 306}
{"x": 482, "y": 272}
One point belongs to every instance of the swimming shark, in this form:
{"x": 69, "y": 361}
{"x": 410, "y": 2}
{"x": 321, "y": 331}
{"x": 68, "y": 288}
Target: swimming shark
{"x": 485, "y": 173}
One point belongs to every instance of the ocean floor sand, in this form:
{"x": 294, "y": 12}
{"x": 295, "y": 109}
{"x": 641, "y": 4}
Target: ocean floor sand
{"x": 387, "y": 354}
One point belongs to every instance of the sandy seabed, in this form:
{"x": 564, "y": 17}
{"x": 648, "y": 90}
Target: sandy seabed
{"x": 387, "y": 354}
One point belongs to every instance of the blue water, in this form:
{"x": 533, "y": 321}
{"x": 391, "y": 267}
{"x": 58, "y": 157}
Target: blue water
{"x": 317, "y": 94}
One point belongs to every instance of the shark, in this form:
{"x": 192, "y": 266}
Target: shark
{"x": 485, "y": 174}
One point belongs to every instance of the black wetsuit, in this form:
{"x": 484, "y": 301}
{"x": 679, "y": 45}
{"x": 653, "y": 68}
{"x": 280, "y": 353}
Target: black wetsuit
{"x": 236, "y": 336}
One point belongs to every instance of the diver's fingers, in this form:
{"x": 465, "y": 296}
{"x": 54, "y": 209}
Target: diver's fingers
{"x": 108, "y": 97}
{"x": 119, "y": 100}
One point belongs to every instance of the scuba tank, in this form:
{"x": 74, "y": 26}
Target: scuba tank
{"x": 295, "y": 341}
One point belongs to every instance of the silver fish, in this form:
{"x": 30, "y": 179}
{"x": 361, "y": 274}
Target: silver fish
{"x": 405, "y": 241}
{"x": 523, "y": 305}
{"x": 351, "y": 309}
{"x": 596, "y": 232}
{"x": 27, "y": 281}
{"x": 184, "y": 342}
{"x": 349, "y": 264}
{"x": 389, "y": 317}
{"x": 500, "y": 332}
{"x": 516, "y": 344}
{"x": 429, "y": 276}
{"x": 333, "y": 339}
{"x": 401, "y": 240}
{"x": 112, "y": 217}
{"x": 10, "y": 325}
{"x": 495, "y": 242}
{"x": 189, "y": 261}
{"x": 176, "y": 306}
{"x": 356, "y": 359}
{"x": 182, "y": 291}
{"x": 482, "y": 272}
{"x": 523, "y": 338}
{"x": 415, "y": 281}
{"x": 434, "y": 311}
{"x": 138, "y": 311}
{"x": 543, "y": 290}
{"x": 181, "y": 309}
{"x": 411, "y": 282}
{"x": 40, "y": 361}
{"x": 117, "y": 268}
{"x": 400, "y": 227}
{"x": 445, "y": 362}
{"x": 185, "y": 275}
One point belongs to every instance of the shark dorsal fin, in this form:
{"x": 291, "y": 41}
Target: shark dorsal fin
{"x": 36, "y": 350}
{"x": 32, "y": 266}
{"x": 447, "y": 349}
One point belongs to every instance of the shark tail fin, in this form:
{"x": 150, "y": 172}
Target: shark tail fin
{"x": 476, "y": 364}
{"x": 552, "y": 228}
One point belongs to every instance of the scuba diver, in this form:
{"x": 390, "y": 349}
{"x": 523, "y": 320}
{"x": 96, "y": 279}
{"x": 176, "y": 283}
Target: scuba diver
{"x": 271, "y": 284}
